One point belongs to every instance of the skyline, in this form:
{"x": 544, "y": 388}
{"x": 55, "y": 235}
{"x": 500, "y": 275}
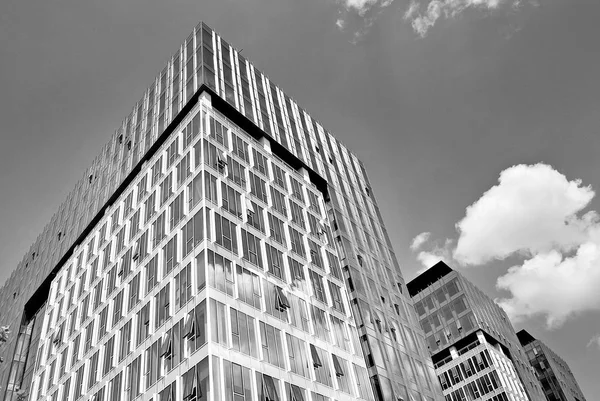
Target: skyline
{"x": 55, "y": 134}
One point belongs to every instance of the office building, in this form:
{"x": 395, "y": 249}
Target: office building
{"x": 222, "y": 246}
{"x": 555, "y": 376}
{"x": 472, "y": 343}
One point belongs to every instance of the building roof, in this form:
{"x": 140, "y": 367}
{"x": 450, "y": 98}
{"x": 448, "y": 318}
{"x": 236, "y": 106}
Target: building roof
{"x": 525, "y": 338}
{"x": 428, "y": 277}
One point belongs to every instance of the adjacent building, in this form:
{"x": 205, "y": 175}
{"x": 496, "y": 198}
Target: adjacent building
{"x": 472, "y": 343}
{"x": 555, "y": 376}
{"x": 222, "y": 246}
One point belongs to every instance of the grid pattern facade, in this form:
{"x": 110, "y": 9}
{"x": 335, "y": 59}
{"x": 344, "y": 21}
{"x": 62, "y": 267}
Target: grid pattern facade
{"x": 555, "y": 376}
{"x": 184, "y": 274}
{"x": 451, "y": 309}
{"x": 392, "y": 344}
{"x": 479, "y": 371}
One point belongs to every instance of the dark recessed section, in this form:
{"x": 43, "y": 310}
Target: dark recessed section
{"x": 257, "y": 133}
{"x": 428, "y": 277}
{"x": 525, "y": 338}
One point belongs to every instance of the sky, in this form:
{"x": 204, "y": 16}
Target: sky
{"x": 477, "y": 121}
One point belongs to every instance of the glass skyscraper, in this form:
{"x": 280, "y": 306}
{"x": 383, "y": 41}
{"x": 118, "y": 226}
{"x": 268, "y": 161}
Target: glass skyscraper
{"x": 222, "y": 246}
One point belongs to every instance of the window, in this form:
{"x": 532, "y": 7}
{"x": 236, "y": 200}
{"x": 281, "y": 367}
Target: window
{"x": 317, "y": 284}
{"x": 133, "y": 378}
{"x": 231, "y": 200}
{"x": 151, "y": 273}
{"x": 279, "y": 177}
{"x": 314, "y": 203}
{"x": 257, "y": 187}
{"x": 93, "y": 371}
{"x": 218, "y": 132}
{"x": 210, "y": 187}
{"x": 219, "y": 327}
{"x": 170, "y": 258}
{"x": 248, "y": 285}
{"x": 277, "y": 231}
{"x": 143, "y": 324}
{"x": 298, "y": 356}
{"x": 297, "y": 189}
{"x": 319, "y": 319}
{"x": 297, "y": 215}
{"x": 142, "y": 187}
{"x": 115, "y": 388}
{"x": 277, "y": 304}
{"x": 226, "y": 235}
{"x": 297, "y": 242}
{"x": 272, "y": 345}
{"x": 118, "y": 308}
{"x": 109, "y": 350}
{"x": 340, "y": 333}
{"x": 252, "y": 249}
{"x": 260, "y": 162}
{"x": 336, "y": 296}
{"x": 220, "y": 272}
{"x": 134, "y": 292}
{"x": 172, "y": 152}
{"x": 191, "y": 130}
{"x": 125, "y": 346}
{"x": 166, "y": 189}
{"x": 278, "y": 200}
{"x": 193, "y": 232}
{"x": 103, "y": 323}
{"x": 238, "y": 382}
{"x": 275, "y": 261}
{"x": 150, "y": 206}
{"x": 134, "y": 226}
{"x": 240, "y": 148}
{"x": 176, "y": 211}
{"x": 183, "y": 169}
{"x": 78, "y": 382}
{"x": 183, "y": 286}
{"x": 321, "y": 365}
{"x": 163, "y": 302}
{"x": 236, "y": 172}
{"x": 243, "y": 333}
{"x": 156, "y": 171}
{"x": 75, "y": 354}
{"x": 158, "y": 229}
{"x": 195, "y": 191}
{"x": 341, "y": 368}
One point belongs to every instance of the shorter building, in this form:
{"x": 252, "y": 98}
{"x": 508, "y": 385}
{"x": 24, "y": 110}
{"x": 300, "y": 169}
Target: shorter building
{"x": 479, "y": 370}
{"x": 556, "y": 379}
{"x": 473, "y": 346}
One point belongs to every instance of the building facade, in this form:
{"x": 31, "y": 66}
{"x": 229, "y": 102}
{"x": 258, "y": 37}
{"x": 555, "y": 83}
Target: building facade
{"x": 473, "y": 345}
{"x": 223, "y": 246}
{"x": 555, "y": 376}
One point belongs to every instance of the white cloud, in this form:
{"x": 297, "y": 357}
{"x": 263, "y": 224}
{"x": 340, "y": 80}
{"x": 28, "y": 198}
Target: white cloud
{"x": 554, "y": 286}
{"x": 531, "y": 210}
{"x": 360, "y": 6}
{"x": 534, "y": 212}
{"x": 419, "y": 240}
{"x": 340, "y": 23}
{"x": 594, "y": 341}
{"x": 421, "y": 23}
{"x": 438, "y": 253}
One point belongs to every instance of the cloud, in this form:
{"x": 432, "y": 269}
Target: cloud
{"x": 419, "y": 240}
{"x": 422, "y": 22}
{"x": 360, "y": 15}
{"x": 438, "y": 253}
{"x": 537, "y": 214}
{"x": 531, "y": 210}
{"x": 361, "y": 6}
{"x": 594, "y": 341}
{"x": 553, "y": 286}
